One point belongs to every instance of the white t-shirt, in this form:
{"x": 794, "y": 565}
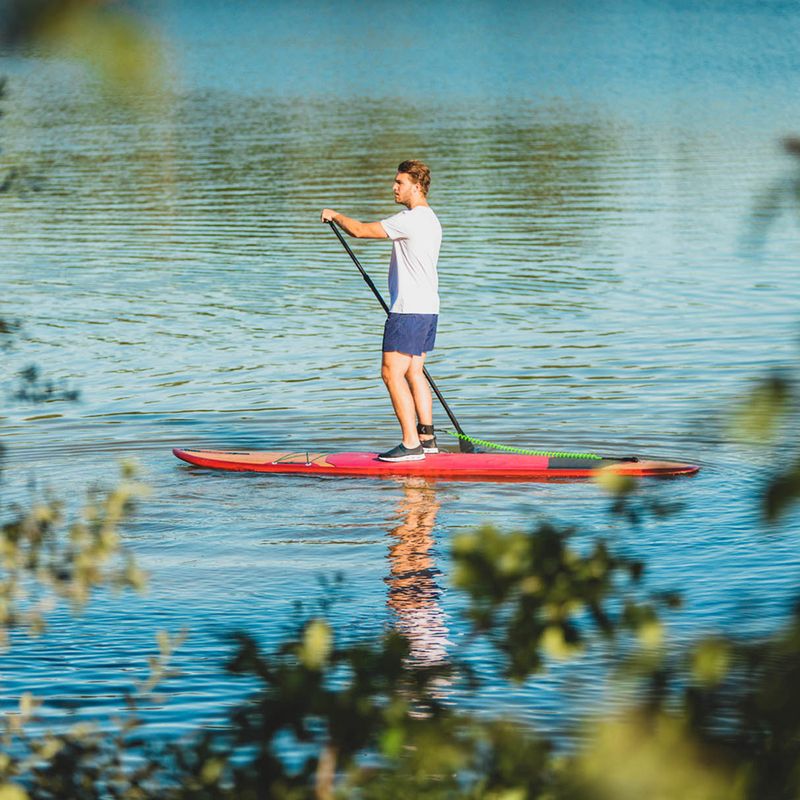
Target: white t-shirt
{"x": 413, "y": 282}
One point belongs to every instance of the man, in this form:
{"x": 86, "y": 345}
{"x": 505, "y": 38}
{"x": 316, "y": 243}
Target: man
{"x": 410, "y": 330}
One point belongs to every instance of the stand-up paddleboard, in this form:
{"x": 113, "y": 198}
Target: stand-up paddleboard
{"x": 455, "y": 466}
{"x": 467, "y": 464}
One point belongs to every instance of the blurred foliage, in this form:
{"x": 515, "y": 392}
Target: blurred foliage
{"x": 8, "y": 330}
{"x": 16, "y": 179}
{"x": 783, "y": 196}
{"x": 111, "y": 38}
{"x": 33, "y": 388}
{"x": 771, "y": 412}
{"x": 330, "y": 721}
{"x": 654, "y": 756}
{"x": 40, "y": 563}
{"x": 85, "y": 761}
{"x": 108, "y": 36}
{"x": 376, "y": 727}
{"x": 44, "y": 562}
{"x": 763, "y": 409}
{"x": 770, "y": 415}
{"x": 529, "y": 592}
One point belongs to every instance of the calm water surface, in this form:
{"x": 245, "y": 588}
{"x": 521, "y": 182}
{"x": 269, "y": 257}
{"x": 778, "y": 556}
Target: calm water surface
{"x": 595, "y": 173}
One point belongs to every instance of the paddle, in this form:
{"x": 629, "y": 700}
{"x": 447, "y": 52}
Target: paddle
{"x": 463, "y": 445}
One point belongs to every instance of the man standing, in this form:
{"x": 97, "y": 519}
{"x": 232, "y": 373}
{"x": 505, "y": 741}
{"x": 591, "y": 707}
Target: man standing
{"x": 410, "y": 330}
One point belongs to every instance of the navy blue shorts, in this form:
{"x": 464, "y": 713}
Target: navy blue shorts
{"x": 413, "y": 334}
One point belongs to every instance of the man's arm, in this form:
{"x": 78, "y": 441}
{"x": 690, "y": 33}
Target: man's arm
{"x": 361, "y": 230}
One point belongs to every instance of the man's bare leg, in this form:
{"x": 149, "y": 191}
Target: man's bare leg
{"x": 420, "y": 390}
{"x": 394, "y": 370}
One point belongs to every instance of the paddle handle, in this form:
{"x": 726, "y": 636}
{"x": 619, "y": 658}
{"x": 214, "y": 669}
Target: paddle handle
{"x": 464, "y": 446}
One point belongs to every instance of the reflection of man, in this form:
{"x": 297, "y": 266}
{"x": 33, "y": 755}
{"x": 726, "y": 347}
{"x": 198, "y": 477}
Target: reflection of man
{"x": 413, "y": 592}
{"x": 410, "y": 330}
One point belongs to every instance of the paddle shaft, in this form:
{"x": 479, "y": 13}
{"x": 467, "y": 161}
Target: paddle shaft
{"x": 464, "y": 446}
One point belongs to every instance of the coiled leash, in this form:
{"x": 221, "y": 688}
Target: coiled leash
{"x": 522, "y": 450}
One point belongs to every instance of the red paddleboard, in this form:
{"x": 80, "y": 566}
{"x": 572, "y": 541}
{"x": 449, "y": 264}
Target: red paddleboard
{"x": 455, "y": 466}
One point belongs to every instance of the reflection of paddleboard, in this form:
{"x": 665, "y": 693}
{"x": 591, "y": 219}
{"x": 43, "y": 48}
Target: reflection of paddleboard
{"x": 455, "y": 466}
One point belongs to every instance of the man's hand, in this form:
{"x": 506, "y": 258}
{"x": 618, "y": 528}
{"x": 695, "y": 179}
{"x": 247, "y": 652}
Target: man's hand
{"x": 327, "y": 215}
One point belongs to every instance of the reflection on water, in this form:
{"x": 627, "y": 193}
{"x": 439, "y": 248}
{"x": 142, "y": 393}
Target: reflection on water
{"x": 414, "y": 594}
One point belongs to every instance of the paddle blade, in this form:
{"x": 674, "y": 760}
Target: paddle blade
{"x": 465, "y": 447}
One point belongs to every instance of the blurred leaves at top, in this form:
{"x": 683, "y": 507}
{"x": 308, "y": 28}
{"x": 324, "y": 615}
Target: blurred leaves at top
{"x": 107, "y": 35}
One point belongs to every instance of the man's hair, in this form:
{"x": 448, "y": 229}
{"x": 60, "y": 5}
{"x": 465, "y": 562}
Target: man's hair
{"x": 419, "y": 173}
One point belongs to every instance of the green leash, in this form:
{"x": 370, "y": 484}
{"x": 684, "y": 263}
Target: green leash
{"x": 522, "y": 450}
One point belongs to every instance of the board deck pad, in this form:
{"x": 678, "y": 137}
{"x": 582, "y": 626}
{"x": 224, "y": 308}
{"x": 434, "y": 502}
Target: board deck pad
{"x": 455, "y": 466}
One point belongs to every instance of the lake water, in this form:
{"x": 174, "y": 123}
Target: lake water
{"x": 596, "y": 172}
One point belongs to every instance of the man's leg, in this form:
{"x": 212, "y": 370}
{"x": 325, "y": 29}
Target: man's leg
{"x": 420, "y": 390}
{"x": 394, "y": 369}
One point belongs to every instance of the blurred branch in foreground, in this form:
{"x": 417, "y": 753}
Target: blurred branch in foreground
{"x": 780, "y": 197}
{"x": 770, "y": 415}
{"x": 108, "y": 36}
{"x": 33, "y": 388}
{"x": 40, "y": 562}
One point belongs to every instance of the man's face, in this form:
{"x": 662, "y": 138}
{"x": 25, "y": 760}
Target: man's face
{"x": 403, "y": 188}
